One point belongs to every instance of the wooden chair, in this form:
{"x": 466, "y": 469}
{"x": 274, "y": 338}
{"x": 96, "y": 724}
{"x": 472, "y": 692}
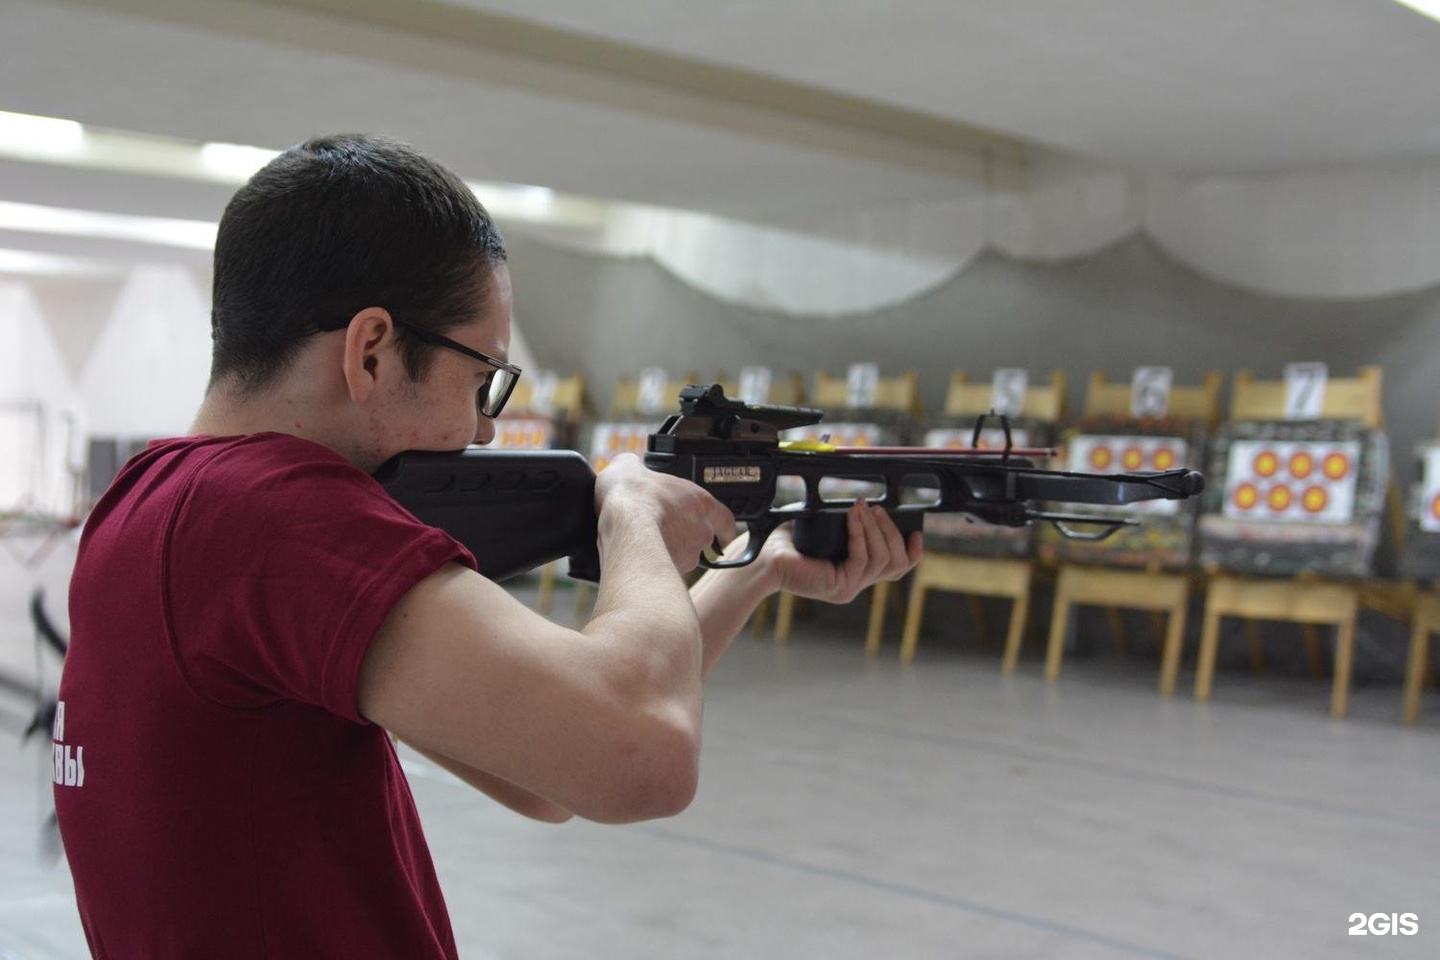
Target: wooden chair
{"x": 625, "y": 401}
{"x": 1167, "y": 594}
{"x": 1309, "y": 601}
{"x": 900, "y": 394}
{"x": 973, "y": 575}
{"x": 787, "y": 389}
{"x": 568, "y": 401}
{"x": 1425, "y": 621}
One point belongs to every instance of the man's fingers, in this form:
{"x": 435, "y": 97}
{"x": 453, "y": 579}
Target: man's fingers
{"x": 722, "y": 521}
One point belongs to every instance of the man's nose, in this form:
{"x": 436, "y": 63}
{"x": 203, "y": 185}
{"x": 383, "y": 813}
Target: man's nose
{"x": 484, "y": 430}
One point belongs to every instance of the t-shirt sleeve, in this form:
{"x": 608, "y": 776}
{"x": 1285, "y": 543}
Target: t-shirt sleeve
{"x": 281, "y": 564}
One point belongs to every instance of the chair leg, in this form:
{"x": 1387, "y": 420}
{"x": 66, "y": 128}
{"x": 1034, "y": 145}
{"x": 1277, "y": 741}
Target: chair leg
{"x": 547, "y": 588}
{"x": 1019, "y": 613}
{"x": 1415, "y": 673}
{"x": 1174, "y": 645}
{"x": 1205, "y": 665}
{"x": 784, "y": 617}
{"x": 1055, "y": 649}
{"x": 1344, "y": 653}
{"x": 760, "y": 618}
{"x": 911, "y": 635}
{"x": 875, "y": 635}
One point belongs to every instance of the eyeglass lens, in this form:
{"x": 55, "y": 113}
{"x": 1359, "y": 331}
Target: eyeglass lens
{"x": 495, "y": 391}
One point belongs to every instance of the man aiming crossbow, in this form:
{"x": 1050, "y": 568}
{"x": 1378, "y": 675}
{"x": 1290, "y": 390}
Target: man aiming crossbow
{"x": 252, "y": 615}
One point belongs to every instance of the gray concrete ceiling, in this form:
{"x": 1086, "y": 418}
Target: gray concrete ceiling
{"x": 770, "y": 111}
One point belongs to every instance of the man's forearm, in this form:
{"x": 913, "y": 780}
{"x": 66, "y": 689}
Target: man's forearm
{"x": 725, "y": 600}
{"x": 643, "y": 605}
{"x": 500, "y": 790}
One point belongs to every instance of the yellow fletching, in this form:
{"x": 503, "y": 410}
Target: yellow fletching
{"x": 807, "y": 446}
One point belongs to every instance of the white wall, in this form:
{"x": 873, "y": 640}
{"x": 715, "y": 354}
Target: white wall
{"x": 126, "y": 357}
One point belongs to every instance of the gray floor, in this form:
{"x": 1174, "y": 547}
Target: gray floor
{"x": 852, "y": 808}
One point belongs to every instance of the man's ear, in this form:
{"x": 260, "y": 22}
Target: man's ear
{"x": 369, "y": 333}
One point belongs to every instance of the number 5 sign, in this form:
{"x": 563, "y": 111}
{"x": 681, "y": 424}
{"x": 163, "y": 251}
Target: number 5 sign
{"x": 1007, "y": 391}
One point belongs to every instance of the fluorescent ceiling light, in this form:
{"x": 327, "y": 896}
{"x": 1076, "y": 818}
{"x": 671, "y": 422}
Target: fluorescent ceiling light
{"x": 1427, "y": 8}
{"x": 45, "y": 136}
{"x": 29, "y": 263}
{"x": 235, "y": 159}
{"x": 162, "y": 231}
{"x": 67, "y": 143}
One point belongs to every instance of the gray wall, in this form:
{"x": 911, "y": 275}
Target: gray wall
{"x": 1126, "y": 306}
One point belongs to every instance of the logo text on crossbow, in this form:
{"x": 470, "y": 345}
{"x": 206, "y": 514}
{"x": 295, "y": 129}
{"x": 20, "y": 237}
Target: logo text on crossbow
{"x": 732, "y": 475}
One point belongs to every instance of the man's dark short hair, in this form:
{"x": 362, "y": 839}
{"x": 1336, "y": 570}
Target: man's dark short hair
{"x": 333, "y": 226}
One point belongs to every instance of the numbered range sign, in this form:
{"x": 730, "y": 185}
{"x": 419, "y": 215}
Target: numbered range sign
{"x": 1110, "y": 453}
{"x": 610, "y": 439}
{"x": 1430, "y": 492}
{"x": 524, "y": 433}
{"x": 1295, "y": 481}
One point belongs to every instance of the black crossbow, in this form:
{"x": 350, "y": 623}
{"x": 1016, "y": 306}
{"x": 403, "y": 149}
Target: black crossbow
{"x": 517, "y": 510}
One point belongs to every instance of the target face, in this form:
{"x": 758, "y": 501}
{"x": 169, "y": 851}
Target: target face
{"x": 611, "y": 439}
{"x": 1102, "y": 453}
{"x": 1311, "y": 481}
{"x": 523, "y": 433}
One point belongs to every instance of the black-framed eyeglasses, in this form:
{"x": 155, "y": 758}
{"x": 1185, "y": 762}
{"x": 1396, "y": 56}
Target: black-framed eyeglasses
{"x": 498, "y": 386}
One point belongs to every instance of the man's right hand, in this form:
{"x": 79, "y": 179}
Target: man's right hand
{"x": 689, "y": 519}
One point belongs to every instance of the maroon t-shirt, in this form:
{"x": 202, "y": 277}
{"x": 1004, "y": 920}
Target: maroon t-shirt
{"x": 218, "y": 793}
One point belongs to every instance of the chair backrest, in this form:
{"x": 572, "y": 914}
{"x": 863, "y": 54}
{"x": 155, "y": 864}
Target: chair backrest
{"x": 625, "y": 401}
{"x": 1200, "y": 403}
{"x": 568, "y": 402}
{"x": 788, "y": 390}
{"x": 900, "y": 393}
{"x": 1346, "y": 398}
{"x": 1044, "y": 402}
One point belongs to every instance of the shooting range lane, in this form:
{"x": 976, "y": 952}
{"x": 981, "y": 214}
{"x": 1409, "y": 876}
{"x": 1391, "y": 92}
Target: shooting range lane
{"x": 848, "y": 805}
